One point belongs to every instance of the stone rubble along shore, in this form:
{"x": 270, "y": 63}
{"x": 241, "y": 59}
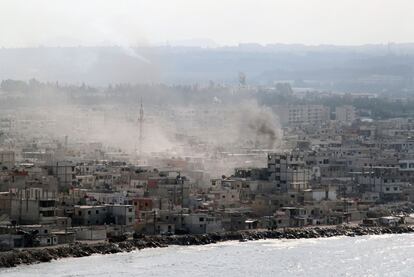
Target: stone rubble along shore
{"x": 31, "y": 256}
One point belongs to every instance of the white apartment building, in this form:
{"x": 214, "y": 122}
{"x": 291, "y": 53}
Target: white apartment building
{"x": 302, "y": 114}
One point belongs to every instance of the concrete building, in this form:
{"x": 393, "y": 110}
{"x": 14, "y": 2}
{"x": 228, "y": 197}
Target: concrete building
{"x": 7, "y": 160}
{"x": 201, "y": 223}
{"x": 320, "y": 194}
{"x": 302, "y": 114}
{"x": 64, "y": 172}
{"x": 34, "y": 206}
{"x": 89, "y": 215}
{"x": 104, "y": 214}
{"x": 345, "y": 114}
{"x": 122, "y": 214}
{"x": 288, "y": 171}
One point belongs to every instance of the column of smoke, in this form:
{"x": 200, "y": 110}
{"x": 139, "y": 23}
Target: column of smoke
{"x": 222, "y": 135}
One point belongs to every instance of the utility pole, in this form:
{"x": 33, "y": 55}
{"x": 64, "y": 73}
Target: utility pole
{"x": 182, "y": 202}
{"x": 154, "y": 223}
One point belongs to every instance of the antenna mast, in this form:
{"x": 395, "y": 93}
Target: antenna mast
{"x": 141, "y": 120}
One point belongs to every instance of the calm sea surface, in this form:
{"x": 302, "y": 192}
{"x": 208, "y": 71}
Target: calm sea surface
{"x": 385, "y": 255}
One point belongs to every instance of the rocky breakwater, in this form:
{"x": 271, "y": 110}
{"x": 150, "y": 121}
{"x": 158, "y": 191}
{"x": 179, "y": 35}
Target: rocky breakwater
{"x": 30, "y": 256}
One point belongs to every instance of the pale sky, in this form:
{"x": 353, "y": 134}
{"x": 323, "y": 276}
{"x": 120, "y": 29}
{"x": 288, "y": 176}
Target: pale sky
{"x": 227, "y": 22}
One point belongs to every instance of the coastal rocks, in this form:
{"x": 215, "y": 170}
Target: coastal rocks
{"x": 30, "y": 256}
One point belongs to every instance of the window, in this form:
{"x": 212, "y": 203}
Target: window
{"x": 130, "y": 219}
{"x": 130, "y": 210}
{"x": 89, "y": 212}
{"x": 80, "y": 213}
{"x": 395, "y": 188}
{"x": 387, "y": 189}
{"x": 201, "y": 219}
{"x": 97, "y": 212}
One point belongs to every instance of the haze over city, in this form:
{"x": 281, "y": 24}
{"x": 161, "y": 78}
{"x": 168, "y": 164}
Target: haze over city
{"x": 203, "y": 23}
{"x": 221, "y": 138}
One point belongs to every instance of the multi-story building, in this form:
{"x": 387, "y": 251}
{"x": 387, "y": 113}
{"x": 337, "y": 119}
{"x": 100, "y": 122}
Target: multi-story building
{"x": 345, "y": 114}
{"x": 33, "y": 206}
{"x": 7, "y": 160}
{"x": 288, "y": 171}
{"x": 302, "y": 114}
{"x": 104, "y": 214}
{"x": 89, "y": 215}
{"x": 64, "y": 171}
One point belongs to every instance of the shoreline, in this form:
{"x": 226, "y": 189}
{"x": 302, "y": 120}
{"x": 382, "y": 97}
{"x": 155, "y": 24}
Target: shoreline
{"x": 32, "y": 256}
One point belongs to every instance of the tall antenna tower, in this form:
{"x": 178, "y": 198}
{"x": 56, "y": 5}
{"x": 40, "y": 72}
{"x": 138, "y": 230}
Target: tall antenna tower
{"x": 242, "y": 79}
{"x": 141, "y": 121}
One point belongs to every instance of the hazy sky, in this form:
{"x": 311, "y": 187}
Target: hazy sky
{"x": 133, "y": 22}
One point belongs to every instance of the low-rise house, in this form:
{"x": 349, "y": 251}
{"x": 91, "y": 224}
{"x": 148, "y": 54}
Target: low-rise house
{"x": 370, "y": 222}
{"x": 390, "y": 221}
{"x": 106, "y": 197}
{"x": 319, "y": 194}
{"x": 142, "y": 205}
{"x": 90, "y": 215}
{"x": 165, "y": 228}
{"x": 201, "y": 223}
{"x": 104, "y": 214}
{"x": 91, "y": 233}
{"x": 252, "y": 224}
{"x": 233, "y": 220}
{"x": 42, "y": 233}
{"x": 121, "y": 214}
{"x": 297, "y": 216}
{"x": 281, "y": 219}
